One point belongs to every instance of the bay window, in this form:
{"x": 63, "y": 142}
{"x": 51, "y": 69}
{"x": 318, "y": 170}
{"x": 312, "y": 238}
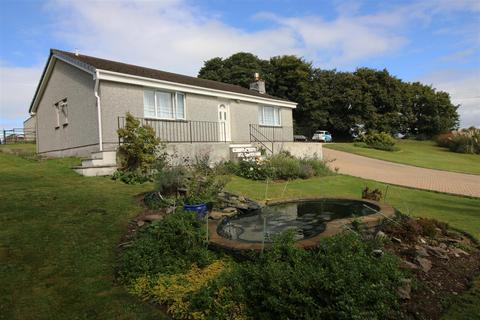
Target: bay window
{"x": 269, "y": 116}
{"x": 164, "y": 105}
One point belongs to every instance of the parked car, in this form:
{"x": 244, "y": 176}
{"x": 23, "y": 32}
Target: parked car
{"x": 299, "y": 137}
{"x": 322, "y": 136}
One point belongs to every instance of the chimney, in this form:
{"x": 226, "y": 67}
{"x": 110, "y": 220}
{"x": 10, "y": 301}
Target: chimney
{"x": 257, "y": 84}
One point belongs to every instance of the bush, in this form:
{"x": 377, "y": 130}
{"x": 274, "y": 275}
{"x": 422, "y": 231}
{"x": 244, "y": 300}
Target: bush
{"x": 444, "y": 139}
{"x": 253, "y": 170}
{"x": 409, "y": 229}
{"x": 377, "y": 140}
{"x": 464, "y": 141}
{"x": 155, "y": 200}
{"x": 138, "y": 151}
{"x": 169, "y": 179}
{"x": 340, "y": 280}
{"x": 281, "y": 166}
{"x": 167, "y": 246}
{"x": 375, "y": 194}
{"x": 202, "y": 187}
{"x": 131, "y": 177}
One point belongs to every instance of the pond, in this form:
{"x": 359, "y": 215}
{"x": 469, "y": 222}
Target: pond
{"x": 305, "y": 218}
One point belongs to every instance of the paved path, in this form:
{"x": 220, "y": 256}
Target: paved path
{"x": 404, "y": 175}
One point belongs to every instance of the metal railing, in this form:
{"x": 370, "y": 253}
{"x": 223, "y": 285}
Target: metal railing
{"x": 271, "y": 133}
{"x": 183, "y": 130}
{"x": 18, "y": 135}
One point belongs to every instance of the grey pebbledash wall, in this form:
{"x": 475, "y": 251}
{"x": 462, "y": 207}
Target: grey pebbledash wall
{"x": 80, "y": 135}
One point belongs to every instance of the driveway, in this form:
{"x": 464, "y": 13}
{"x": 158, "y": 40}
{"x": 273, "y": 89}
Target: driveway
{"x": 403, "y": 175}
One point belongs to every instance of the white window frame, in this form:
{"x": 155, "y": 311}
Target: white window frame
{"x": 61, "y": 107}
{"x": 275, "y": 123}
{"x": 174, "y": 104}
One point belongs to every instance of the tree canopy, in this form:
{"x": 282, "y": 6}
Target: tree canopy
{"x": 340, "y": 101}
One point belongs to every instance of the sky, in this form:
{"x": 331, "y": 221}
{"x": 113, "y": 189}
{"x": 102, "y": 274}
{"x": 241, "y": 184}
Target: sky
{"x": 436, "y": 42}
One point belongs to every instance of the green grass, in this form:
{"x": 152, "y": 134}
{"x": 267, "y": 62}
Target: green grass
{"x": 59, "y": 233}
{"x": 58, "y": 238}
{"x": 459, "y": 212}
{"x": 419, "y": 153}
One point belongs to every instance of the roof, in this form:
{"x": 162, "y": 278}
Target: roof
{"x": 114, "y": 66}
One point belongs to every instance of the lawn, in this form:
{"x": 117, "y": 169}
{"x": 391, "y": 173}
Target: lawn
{"x": 419, "y": 153}
{"x": 60, "y": 231}
{"x": 57, "y": 242}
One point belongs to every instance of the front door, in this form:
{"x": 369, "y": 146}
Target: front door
{"x": 224, "y": 122}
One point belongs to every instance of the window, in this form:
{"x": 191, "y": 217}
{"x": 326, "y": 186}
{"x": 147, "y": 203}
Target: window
{"x": 163, "y": 104}
{"x": 269, "y": 116}
{"x": 61, "y": 111}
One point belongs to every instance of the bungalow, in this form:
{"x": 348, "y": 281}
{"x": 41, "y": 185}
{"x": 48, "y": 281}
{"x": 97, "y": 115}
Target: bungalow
{"x": 81, "y": 101}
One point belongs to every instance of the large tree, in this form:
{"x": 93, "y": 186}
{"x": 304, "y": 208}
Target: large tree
{"x": 340, "y": 101}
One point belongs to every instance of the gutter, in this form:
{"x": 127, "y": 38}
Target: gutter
{"x": 99, "y": 110}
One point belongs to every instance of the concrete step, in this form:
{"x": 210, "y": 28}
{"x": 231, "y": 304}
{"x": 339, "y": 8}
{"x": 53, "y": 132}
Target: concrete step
{"x": 95, "y": 171}
{"x": 110, "y": 156}
{"x": 97, "y": 162}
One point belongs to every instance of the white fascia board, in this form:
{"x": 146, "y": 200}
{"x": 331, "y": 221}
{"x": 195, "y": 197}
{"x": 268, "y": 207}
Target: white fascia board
{"x": 47, "y": 74}
{"x": 72, "y": 62}
{"x": 174, "y": 86}
{"x": 43, "y": 83}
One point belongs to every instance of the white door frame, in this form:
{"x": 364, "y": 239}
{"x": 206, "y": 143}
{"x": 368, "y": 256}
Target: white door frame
{"x": 223, "y": 116}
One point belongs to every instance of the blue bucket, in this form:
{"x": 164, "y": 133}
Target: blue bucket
{"x": 200, "y": 209}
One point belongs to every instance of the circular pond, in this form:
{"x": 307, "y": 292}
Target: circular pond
{"x": 308, "y": 219}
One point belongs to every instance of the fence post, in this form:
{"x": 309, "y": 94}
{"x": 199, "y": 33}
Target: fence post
{"x": 191, "y": 135}
{"x": 4, "y": 137}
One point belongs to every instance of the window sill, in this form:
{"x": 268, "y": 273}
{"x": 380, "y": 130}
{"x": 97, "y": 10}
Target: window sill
{"x": 165, "y": 119}
{"x": 270, "y": 126}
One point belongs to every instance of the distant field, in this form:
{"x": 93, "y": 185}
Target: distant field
{"x": 424, "y": 154}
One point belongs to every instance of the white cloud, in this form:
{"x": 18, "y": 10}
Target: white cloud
{"x": 17, "y": 85}
{"x": 464, "y": 89}
{"x": 171, "y": 36}
{"x": 176, "y": 36}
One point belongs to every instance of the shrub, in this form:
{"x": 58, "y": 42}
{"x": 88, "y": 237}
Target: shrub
{"x": 254, "y": 170}
{"x": 463, "y": 141}
{"x": 169, "y": 179}
{"x": 376, "y": 140}
{"x": 173, "y": 290}
{"x": 340, "y": 280}
{"x": 131, "y": 177}
{"x": 138, "y": 150}
{"x": 374, "y": 194}
{"x": 203, "y": 188}
{"x": 155, "y": 200}
{"x": 318, "y": 166}
{"x": 466, "y": 141}
{"x": 282, "y": 166}
{"x": 444, "y": 139}
{"x": 167, "y": 246}
{"x": 285, "y": 167}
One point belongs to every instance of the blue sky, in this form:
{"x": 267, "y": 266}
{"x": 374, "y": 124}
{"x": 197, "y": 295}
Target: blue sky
{"x": 433, "y": 41}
